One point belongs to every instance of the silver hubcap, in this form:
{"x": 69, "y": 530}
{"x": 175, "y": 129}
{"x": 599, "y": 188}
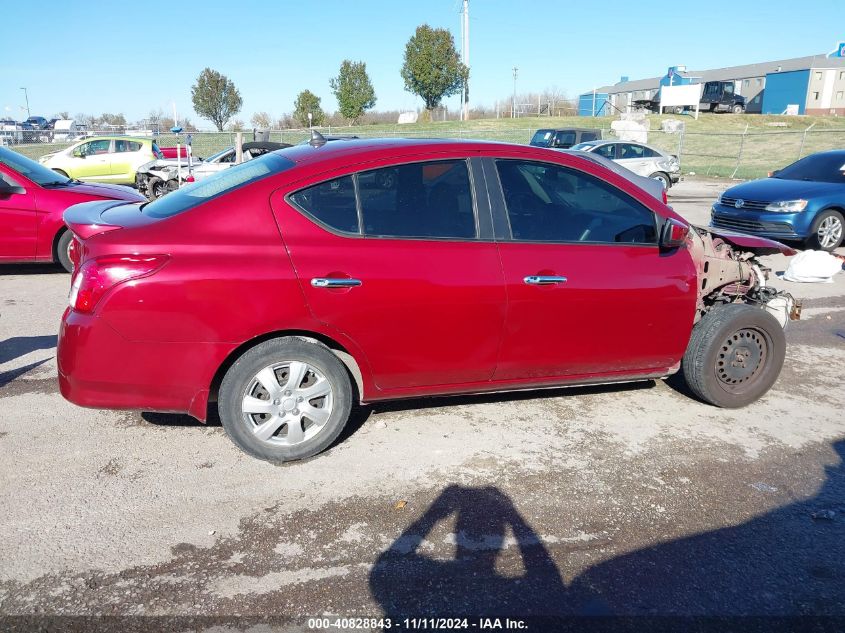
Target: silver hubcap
{"x": 830, "y": 231}
{"x": 287, "y": 403}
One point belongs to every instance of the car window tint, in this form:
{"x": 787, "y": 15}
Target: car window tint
{"x": 589, "y": 136}
{"x": 331, "y": 203}
{"x": 95, "y": 147}
{"x": 564, "y": 139}
{"x": 550, "y": 203}
{"x": 608, "y": 151}
{"x": 121, "y": 145}
{"x": 629, "y": 150}
{"x": 431, "y": 199}
{"x": 649, "y": 153}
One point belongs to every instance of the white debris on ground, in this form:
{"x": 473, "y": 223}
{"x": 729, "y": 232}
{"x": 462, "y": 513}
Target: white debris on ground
{"x": 813, "y": 267}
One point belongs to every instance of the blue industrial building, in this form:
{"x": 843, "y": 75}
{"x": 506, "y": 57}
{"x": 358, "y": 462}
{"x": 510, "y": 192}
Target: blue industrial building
{"x": 802, "y": 85}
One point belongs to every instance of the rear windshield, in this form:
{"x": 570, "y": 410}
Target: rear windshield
{"x": 816, "y": 167}
{"x": 216, "y": 185}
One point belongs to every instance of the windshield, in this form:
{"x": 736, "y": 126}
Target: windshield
{"x": 38, "y": 174}
{"x": 542, "y": 138}
{"x": 817, "y": 167}
{"x": 214, "y": 157}
{"x": 584, "y": 147}
{"x": 216, "y": 185}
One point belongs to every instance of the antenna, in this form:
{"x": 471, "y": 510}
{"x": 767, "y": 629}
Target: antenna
{"x": 465, "y": 58}
{"x": 317, "y": 139}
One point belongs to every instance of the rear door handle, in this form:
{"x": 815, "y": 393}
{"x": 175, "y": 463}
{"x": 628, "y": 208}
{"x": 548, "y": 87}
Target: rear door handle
{"x": 544, "y": 280}
{"x": 334, "y": 282}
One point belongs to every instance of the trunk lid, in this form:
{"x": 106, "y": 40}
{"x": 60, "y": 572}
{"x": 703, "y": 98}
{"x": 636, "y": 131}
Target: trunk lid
{"x": 90, "y": 218}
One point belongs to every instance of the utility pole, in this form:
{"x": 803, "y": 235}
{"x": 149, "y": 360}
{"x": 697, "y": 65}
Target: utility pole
{"x": 465, "y": 56}
{"x": 26, "y": 96}
{"x": 513, "y": 103}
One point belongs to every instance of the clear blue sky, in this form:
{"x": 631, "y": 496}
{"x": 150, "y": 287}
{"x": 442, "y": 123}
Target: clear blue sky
{"x": 97, "y": 56}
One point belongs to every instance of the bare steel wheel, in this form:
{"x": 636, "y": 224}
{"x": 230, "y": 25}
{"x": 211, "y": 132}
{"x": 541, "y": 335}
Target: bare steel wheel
{"x": 734, "y": 355}
{"x": 285, "y": 399}
{"x": 740, "y": 359}
{"x": 287, "y": 403}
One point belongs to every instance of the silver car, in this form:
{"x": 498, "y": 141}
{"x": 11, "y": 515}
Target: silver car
{"x": 649, "y": 185}
{"x": 640, "y": 159}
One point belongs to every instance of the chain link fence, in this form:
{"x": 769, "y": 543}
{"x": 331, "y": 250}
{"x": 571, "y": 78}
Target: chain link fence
{"x": 726, "y": 155}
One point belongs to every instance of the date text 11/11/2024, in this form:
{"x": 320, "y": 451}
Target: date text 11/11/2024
{"x": 417, "y": 624}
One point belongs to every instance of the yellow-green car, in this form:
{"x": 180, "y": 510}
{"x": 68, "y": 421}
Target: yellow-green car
{"x": 103, "y": 158}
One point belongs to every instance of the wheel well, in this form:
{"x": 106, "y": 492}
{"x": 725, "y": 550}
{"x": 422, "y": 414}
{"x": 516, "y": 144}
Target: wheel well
{"x": 62, "y": 172}
{"x": 337, "y": 349}
{"x": 56, "y": 239}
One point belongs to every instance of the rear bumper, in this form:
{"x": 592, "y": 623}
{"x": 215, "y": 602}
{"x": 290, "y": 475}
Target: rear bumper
{"x": 778, "y": 226}
{"x": 100, "y": 368}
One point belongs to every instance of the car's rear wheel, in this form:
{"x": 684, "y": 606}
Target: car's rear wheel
{"x": 734, "y": 355}
{"x": 827, "y": 231}
{"x": 738, "y": 109}
{"x": 285, "y": 399}
{"x": 63, "y": 250}
{"x": 661, "y": 177}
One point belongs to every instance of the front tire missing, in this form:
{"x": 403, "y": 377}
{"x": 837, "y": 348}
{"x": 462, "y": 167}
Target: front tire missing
{"x": 285, "y": 399}
{"x": 734, "y": 355}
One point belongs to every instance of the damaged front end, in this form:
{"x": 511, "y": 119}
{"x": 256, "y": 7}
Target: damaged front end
{"x": 729, "y": 272}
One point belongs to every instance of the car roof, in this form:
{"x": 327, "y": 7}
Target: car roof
{"x": 569, "y": 129}
{"x": 305, "y": 154}
{"x": 119, "y": 137}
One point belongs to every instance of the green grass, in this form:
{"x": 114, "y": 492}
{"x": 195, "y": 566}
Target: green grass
{"x": 711, "y": 146}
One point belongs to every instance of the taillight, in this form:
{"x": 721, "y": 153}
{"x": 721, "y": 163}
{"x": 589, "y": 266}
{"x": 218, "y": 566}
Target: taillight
{"x": 97, "y": 276}
{"x": 73, "y": 252}
{"x": 190, "y": 178}
{"x": 665, "y": 197}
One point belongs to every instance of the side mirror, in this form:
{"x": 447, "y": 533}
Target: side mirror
{"x": 774, "y": 173}
{"x": 673, "y": 234}
{"x": 7, "y": 189}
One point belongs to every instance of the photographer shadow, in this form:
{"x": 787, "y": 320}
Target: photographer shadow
{"x": 407, "y": 582}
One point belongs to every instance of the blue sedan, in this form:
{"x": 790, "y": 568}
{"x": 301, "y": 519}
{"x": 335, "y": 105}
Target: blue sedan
{"x": 802, "y": 202}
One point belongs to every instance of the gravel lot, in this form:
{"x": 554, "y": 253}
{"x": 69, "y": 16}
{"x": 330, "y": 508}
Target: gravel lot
{"x": 625, "y": 500}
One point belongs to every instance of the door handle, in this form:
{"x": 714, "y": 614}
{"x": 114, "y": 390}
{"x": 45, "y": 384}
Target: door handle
{"x": 334, "y": 282}
{"x": 544, "y": 280}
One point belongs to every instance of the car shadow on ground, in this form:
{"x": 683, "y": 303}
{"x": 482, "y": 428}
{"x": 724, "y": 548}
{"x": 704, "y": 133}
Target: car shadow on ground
{"x": 32, "y": 269}
{"x": 361, "y": 413}
{"x": 18, "y": 346}
{"x": 781, "y": 571}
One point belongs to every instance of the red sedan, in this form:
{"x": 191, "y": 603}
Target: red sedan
{"x": 288, "y": 289}
{"x": 32, "y": 200}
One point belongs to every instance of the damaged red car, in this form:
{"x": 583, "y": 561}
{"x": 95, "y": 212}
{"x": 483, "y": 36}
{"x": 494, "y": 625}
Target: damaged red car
{"x": 287, "y": 290}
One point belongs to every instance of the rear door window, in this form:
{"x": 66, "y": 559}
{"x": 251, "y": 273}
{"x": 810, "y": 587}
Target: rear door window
{"x": 121, "y": 145}
{"x": 629, "y": 150}
{"x": 421, "y": 200}
{"x": 331, "y": 203}
{"x": 608, "y": 151}
{"x": 551, "y": 203}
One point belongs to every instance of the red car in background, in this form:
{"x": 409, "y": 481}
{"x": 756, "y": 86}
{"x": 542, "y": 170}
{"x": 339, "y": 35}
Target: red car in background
{"x": 173, "y": 152}
{"x": 32, "y": 200}
{"x": 289, "y": 288}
